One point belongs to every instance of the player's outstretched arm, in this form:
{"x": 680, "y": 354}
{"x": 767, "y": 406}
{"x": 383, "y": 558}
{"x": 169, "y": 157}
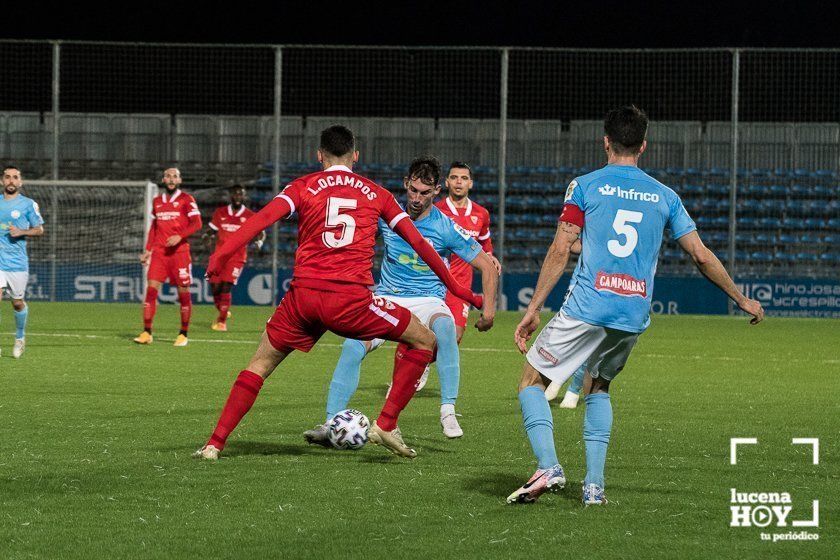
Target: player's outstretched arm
{"x": 275, "y": 210}
{"x": 489, "y": 286}
{"x": 406, "y": 229}
{"x": 552, "y": 269}
{"x": 711, "y": 267}
{"x": 30, "y": 232}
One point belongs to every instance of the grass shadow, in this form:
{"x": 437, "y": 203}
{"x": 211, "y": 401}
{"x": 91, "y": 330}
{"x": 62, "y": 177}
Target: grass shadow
{"x": 495, "y": 484}
{"x": 241, "y": 448}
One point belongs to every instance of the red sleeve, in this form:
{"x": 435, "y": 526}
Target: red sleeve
{"x": 194, "y": 217}
{"x": 291, "y": 194}
{"x": 572, "y": 214}
{"x": 391, "y": 211}
{"x": 484, "y": 235}
{"x": 150, "y": 240}
{"x": 215, "y": 222}
{"x": 405, "y": 228}
{"x": 275, "y": 210}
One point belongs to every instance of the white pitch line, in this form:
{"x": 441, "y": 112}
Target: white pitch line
{"x": 463, "y": 349}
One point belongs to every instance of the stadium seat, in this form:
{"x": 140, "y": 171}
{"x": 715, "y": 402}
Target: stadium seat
{"x": 769, "y": 223}
{"x": 761, "y": 256}
{"x": 791, "y": 223}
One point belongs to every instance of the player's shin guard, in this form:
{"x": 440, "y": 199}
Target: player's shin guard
{"x": 20, "y": 322}
{"x": 597, "y": 423}
{"x": 149, "y": 308}
{"x": 223, "y": 305}
{"x": 186, "y": 310}
{"x": 345, "y": 379}
{"x": 448, "y": 364}
{"x": 539, "y": 425}
{"x": 242, "y": 396}
{"x": 409, "y": 364}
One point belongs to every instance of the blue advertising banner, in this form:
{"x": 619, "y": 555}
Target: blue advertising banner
{"x": 671, "y": 295}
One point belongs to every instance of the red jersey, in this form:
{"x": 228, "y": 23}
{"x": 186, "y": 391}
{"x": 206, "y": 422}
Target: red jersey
{"x": 175, "y": 214}
{"x": 225, "y": 221}
{"x": 338, "y": 216}
{"x": 475, "y": 220}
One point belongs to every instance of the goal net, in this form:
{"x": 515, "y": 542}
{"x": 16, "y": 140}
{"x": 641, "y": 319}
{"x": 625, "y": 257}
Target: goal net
{"x": 94, "y": 232}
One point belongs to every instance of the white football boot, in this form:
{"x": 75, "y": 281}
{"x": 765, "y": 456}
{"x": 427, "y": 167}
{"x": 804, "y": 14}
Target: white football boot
{"x": 544, "y": 480}
{"x": 570, "y": 400}
{"x": 449, "y": 421}
{"x": 209, "y": 452}
{"x": 552, "y": 391}
{"x": 423, "y": 378}
{"x": 319, "y": 435}
{"x": 20, "y": 346}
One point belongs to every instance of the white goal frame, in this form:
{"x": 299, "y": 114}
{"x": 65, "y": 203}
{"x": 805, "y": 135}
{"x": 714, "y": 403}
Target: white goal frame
{"x": 150, "y": 191}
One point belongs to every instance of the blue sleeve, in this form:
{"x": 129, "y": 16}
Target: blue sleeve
{"x": 574, "y": 195}
{"x": 33, "y": 215}
{"x": 459, "y": 241}
{"x": 679, "y": 222}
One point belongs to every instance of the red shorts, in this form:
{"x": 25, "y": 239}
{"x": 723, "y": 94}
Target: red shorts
{"x": 305, "y": 314}
{"x": 230, "y": 273}
{"x": 460, "y": 310}
{"x": 175, "y": 269}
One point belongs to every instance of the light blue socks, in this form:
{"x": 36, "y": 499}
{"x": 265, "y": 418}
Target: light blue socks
{"x": 577, "y": 380}
{"x": 597, "y": 423}
{"x": 345, "y": 379}
{"x": 20, "y": 322}
{"x": 448, "y": 360}
{"x": 539, "y": 425}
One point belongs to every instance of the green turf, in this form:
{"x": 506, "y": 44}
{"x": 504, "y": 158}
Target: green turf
{"x": 97, "y": 434}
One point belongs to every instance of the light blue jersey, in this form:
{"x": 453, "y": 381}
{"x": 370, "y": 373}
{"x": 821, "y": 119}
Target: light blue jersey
{"x": 404, "y": 274}
{"x": 23, "y": 213}
{"x": 625, "y": 214}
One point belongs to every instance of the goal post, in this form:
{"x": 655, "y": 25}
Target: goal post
{"x": 94, "y": 233}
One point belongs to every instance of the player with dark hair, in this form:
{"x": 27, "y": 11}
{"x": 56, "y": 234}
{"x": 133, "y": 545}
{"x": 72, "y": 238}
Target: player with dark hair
{"x": 475, "y": 220}
{"x": 406, "y": 280}
{"x": 20, "y": 218}
{"x": 620, "y": 213}
{"x": 338, "y": 215}
{"x": 225, "y": 221}
{"x": 175, "y": 217}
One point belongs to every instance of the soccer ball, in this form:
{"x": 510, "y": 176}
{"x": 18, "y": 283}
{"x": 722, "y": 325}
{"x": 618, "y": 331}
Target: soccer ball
{"x": 349, "y": 429}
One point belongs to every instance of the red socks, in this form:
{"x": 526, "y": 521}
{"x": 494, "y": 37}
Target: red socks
{"x": 149, "y": 308}
{"x": 408, "y": 368}
{"x": 242, "y": 396}
{"x": 186, "y": 309}
{"x": 223, "y": 305}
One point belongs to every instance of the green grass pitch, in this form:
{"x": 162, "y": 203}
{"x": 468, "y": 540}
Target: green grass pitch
{"x": 97, "y": 434}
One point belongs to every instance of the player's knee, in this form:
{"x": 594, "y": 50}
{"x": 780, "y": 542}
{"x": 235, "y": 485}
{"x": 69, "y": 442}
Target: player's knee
{"x": 355, "y": 348}
{"x": 598, "y": 385}
{"x": 18, "y": 304}
{"x": 459, "y": 334}
{"x": 532, "y": 378}
{"x": 444, "y": 329}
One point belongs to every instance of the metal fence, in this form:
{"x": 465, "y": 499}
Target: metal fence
{"x": 749, "y": 138}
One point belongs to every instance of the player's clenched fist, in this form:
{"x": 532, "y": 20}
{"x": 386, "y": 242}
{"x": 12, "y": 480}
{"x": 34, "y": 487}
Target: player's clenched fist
{"x": 525, "y": 329}
{"x": 484, "y": 323}
{"x": 144, "y": 257}
{"x": 754, "y": 308}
